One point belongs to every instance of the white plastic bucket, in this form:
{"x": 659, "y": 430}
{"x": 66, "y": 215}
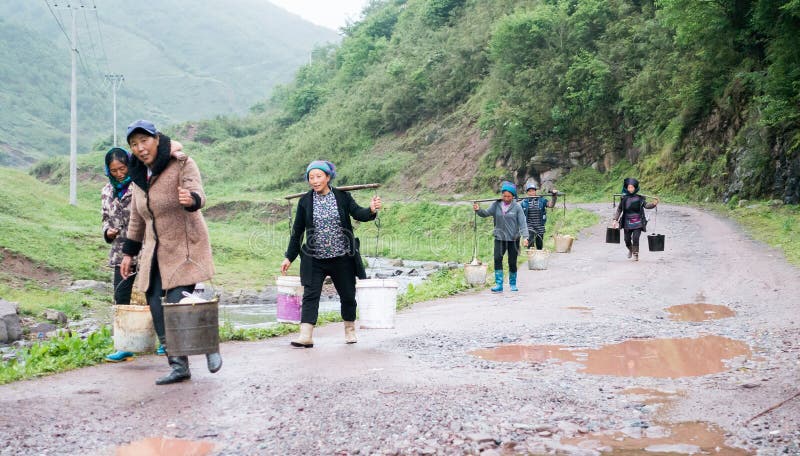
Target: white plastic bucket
{"x": 563, "y": 243}
{"x": 475, "y": 274}
{"x": 133, "y": 329}
{"x": 377, "y": 302}
{"x": 290, "y": 299}
{"x": 537, "y": 259}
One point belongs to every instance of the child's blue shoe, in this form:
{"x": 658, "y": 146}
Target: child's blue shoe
{"x": 161, "y": 351}
{"x": 119, "y": 356}
{"x": 512, "y": 281}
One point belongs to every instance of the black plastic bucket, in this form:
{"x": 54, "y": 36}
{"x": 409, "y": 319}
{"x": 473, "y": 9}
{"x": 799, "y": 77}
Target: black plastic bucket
{"x": 192, "y": 328}
{"x": 612, "y": 235}
{"x": 655, "y": 242}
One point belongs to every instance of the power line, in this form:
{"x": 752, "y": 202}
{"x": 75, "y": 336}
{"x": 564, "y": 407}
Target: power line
{"x": 58, "y": 21}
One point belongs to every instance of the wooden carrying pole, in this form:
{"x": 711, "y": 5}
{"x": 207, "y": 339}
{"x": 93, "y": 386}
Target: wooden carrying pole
{"x": 345, "y": 188}
{"x": 519, "y": 198}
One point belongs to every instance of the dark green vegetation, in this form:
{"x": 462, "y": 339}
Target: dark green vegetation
{"x": 181, "y": 60}
{"x": 441, "y": 99}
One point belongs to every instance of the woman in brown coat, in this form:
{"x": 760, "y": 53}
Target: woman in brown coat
{"x": 167, "y": 231}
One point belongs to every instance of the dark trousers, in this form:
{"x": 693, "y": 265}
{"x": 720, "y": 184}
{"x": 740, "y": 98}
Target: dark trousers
{"x": 535, "y": 239}
{"x": 500, "y": 248}
{"x": 122, "y": 288}
{"x": 342, "y": 271}
{"x": 632, "y": 237}
{"x": 154, "y": 295}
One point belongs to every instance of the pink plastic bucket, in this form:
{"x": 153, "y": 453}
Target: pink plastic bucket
{"x": 290, "y": 299}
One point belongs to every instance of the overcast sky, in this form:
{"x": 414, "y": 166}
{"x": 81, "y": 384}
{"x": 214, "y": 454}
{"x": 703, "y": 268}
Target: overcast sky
{"x": 327, "y": 13}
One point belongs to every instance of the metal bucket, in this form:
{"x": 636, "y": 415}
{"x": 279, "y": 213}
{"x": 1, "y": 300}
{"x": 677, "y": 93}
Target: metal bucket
{"x": 655, "y": 242}
{"x": 563, "y": 243}
{"x": 475, "y": 274}
{"x": 290, "y": 299}
{"x": 612, "y": 235}
{"x": 192, "y": 328}
{"x": 377, "y": 302}
{"x": 133, "y": 329}
{"x": 537, "y": 259}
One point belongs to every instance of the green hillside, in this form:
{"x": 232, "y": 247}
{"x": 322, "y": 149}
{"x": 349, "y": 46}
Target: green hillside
{"x": 181, "y": 60}
{"x": 437, "y": 96}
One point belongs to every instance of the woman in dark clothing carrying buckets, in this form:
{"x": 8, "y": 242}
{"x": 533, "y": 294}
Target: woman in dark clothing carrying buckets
{"x": 509, "y": 227}
{"x": 630, "y": 215}
{"x": 331, "y": 249}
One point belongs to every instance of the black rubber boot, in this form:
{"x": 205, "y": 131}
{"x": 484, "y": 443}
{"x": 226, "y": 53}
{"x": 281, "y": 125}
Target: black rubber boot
{"x": 214, "y": 362}
{"x": 635, "y": 253}
{"x": 180, "y": 371}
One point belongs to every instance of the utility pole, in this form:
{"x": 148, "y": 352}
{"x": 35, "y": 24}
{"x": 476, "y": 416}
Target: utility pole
{"x": 73, "y": 124}
{"x": 115, "y": 80}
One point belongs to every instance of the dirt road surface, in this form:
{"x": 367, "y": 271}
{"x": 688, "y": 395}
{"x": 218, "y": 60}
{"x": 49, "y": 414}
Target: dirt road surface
{"x": 594, "y": 364}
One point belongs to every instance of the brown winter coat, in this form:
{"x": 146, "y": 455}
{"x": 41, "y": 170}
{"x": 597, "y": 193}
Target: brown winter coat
{"x": 178, "y": 236}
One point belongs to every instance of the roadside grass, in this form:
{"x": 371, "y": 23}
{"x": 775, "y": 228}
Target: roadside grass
{"x": 777, "y": 225}
{"x": 62, "y": 353}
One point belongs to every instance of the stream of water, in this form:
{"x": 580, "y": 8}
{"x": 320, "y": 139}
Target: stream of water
{"x": 250, "y": 309}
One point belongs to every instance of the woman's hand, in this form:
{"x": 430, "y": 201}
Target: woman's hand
{"x": 185, "y": 197}
{"x": 375, "y": 204}
{"x": 285, "y": 266}
{"x": 125, "y": 266}
{"x": 475, "y": 206}
{"x": 524, "y": 242}
{"x": 112, "y": 233}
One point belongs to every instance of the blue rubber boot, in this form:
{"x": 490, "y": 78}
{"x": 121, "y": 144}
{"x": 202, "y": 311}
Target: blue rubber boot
{"x": 512, "y": 281}
{"x": 498, "y": 280}
{"x": 119, "y": 356}
{"x": 161, "y": 351}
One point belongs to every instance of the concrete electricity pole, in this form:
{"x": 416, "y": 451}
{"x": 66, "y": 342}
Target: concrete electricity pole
{"x": 73, "y": 124}
{"x": 115, "y": 80}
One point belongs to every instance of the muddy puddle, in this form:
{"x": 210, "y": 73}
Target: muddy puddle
{"x": 663, "y": 358}
{"x": 667, "y": 439}
{"x": 581, "y": 309}
{"x": 699, "y": 312}
{"x": 159, "y": 446}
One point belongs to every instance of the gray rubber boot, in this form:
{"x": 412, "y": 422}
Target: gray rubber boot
{"x": 214, "y": 362}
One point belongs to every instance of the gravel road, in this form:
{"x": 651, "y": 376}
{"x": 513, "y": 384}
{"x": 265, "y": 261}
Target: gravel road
{"x": 421, "y": 388}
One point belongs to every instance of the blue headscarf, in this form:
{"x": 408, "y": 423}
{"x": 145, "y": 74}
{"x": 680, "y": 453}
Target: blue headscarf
{"x": 507, "y": 186}
{"x": 325, "y": 166}
{"x": 629, "y": 181}
{"x": 124, "y": 157}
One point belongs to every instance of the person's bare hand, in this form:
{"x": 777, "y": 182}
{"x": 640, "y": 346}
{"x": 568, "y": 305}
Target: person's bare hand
{"x": 112, "y": 233}
{"x": 185, "y": 197}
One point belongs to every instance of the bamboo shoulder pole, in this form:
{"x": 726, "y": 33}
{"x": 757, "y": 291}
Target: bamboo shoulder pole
{"x": 344, "y": 188}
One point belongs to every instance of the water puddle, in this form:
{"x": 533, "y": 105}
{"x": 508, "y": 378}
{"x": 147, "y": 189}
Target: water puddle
{"x": 160, "y": 446}
{"x": 699, "y": 312}
{"x": 581, "y": 309}
{"x": 662, "y": 358}
{"x": 669, "y": 439}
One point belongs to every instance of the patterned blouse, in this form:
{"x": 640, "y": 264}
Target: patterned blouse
{"x": 116, "y": 214}
{"x": 329, "y": 241}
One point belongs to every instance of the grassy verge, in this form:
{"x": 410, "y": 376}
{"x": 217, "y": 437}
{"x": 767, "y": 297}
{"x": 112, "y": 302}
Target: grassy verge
{"x": 776, "y": 225}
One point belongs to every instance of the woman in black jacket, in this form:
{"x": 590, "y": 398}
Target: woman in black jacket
{"x": 323, "y": 216}
{"x": 630, "y": 215}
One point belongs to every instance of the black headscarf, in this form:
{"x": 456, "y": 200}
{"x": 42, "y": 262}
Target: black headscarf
{"x": 629, "y": 181}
